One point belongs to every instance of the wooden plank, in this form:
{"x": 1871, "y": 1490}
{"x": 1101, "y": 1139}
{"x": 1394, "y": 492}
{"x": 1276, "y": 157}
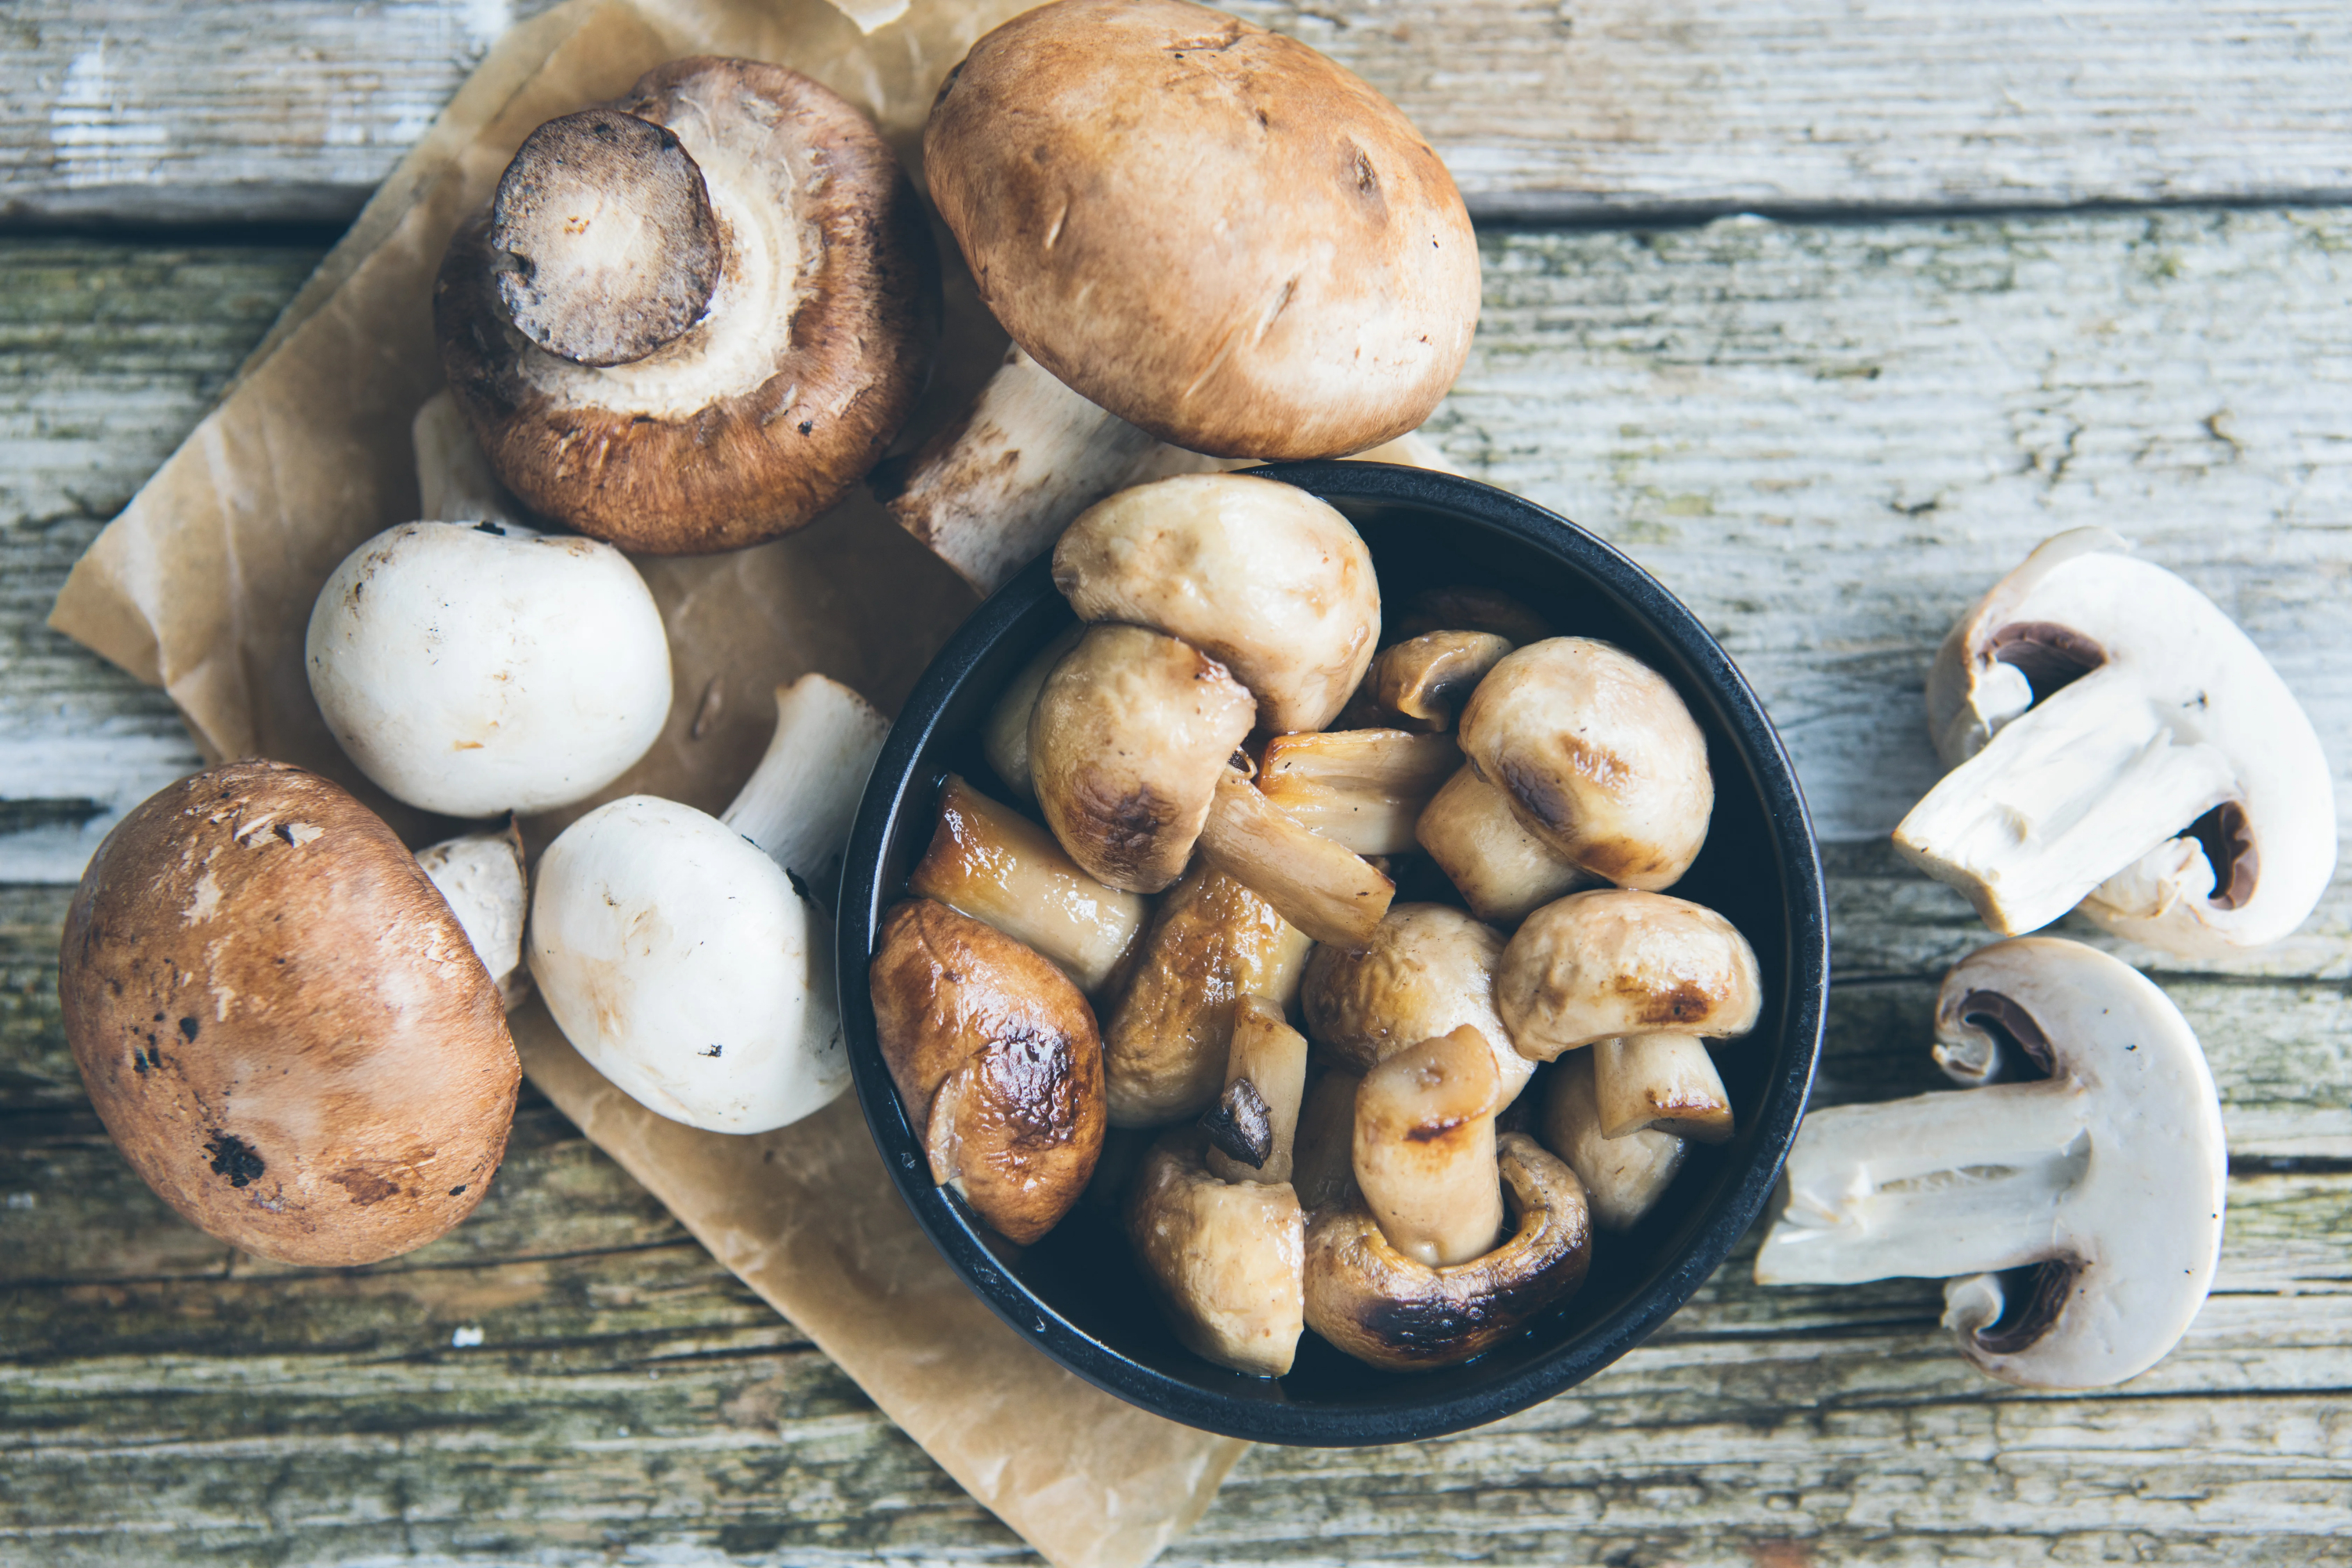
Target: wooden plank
{"x": 292, "y": 110}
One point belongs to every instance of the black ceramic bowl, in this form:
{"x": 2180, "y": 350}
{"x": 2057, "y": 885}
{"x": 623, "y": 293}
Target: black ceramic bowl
{"x": 1078, "y": 1295}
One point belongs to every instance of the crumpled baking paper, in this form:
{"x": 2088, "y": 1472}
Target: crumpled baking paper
{"x": 204, "y": 586}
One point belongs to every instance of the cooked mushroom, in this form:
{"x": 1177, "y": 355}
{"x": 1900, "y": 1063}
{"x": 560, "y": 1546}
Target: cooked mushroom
{"x": 282, "y": 1023}
{"x": 693, "y": 317}
{"x": 1132, "y": 731}
{"x": 1252, "y": 1126}
{"x": 1623, "y": 1177}
{"x": 1425, "y": 1150}
{"x": 1503, "y": 872}
{"x": 685, "y": 957}
{"x": 1598, "y": 965}
{"x": 1363, "y": 789}
{"x": 993, "y": 864}
{"x": 1212, "y": 941}
{"x": 1597, "y": 756}
{"x": 1226, "y": 1259}
{"x": 474, "y": 669}
{"x": 1004, "y": 738}
{"x": 996, "y": 1060}
{"x": 482, "y": 875}
{"x": 2108, "y": 1173}
{"x": 1381, "y": 1307}
{"x": 1427, "y": 971}
{"x": 2115, "y": 743}
{"x": 1323, "y": 1153}
{"x": 1322, "y": 888}
{"x": 1660, "y": 1082}
{"x": 1426, "y": 679}
{"x": 1206, "y": 228}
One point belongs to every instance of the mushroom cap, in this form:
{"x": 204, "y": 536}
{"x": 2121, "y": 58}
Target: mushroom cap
{"x": 1598, "y": 756}
{"x": 1380, "y": 1305}
{"x": 1623, "y": 1177}
{"x": 997, "y": 1061}
{"x": 471, "y": 670}
{"x": 1209, "y": 229}
{"x": 1592, "y": 966}
{"x": 1270, "y": 581}
{"x": 683, "y": 964}
{"x": 1428, "y": 970}
{"x": 282, "y": 1023}
{"x": 1226, "y": 1259}
{"x": 1130, "y": 734}
{"x": 782, "y": 394}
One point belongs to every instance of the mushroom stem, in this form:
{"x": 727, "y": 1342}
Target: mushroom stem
{"x": 1321, "y": 886}
{"x": 2080, "y": 785}
{"x": 1269, "y": 1060}
{"x": 1661, "y": 1082}
{"x": 454, "y": 482}
{"x": 1424, "y": 1148}
{"x": 1323, "y": 1154}
{"x": 1935, "y": 1186}
{"x": 1363, "y": 789}
{"x": 1624, "y": 1177}
{"x": 1503, "y": 872}
{"x": 799, "y": 803}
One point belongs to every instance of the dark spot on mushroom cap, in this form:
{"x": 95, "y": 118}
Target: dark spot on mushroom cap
{"x": 188, "y": 1028}
{"x": 459, "y": 1189}
{"x": 1684, "y": 1003}
{"x": 364, "y": 1185}
{"x": 235, "y": 1158}
{"x": 713, "y": 1050}
{"x": 2050, "y": 656}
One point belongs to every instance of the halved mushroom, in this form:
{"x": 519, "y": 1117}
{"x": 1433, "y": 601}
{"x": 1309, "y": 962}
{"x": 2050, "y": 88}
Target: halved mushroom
{"x": 2117, "y": 744}
{"x": 1130, "y": 734}
{"x": 1503, "y": 872}
{"x": 1206, "y": 228}
{"x": 1212, "y": 941}
{"x": 685, "y": 956}
{"x": 477, "y": 668}
{"x": 1322, "y": 888}
{"x": 2108, "y": 1174}
{"x": 993, "y": 864}
{"x": 1363, "y": 789}
{"x": 1268, "y": 579}
{"x": 1623, "y": 1177}
{"x": 1597, "y": 756}
{"x": 692, "y": 318}
{"x": 1004, "y": 738}
{"x": 1427, "y": 971}
{"x": 996, "y": 1060}
{"x": 1426, "y": 679}
{"x": 482, "y": 875}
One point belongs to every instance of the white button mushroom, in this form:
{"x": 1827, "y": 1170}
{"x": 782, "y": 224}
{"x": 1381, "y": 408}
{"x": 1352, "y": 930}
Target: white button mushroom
{"x": 2109, "y": 1174}
{"x": 683, "y": 954}
{"x": 2115, "y": 743}
{"x": 1427, "y": 970}
{"x": 1424, "y": 1155}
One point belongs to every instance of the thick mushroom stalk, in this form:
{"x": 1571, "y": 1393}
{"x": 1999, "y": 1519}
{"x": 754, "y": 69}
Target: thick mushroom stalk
{"x": 1424, "y": 1155}
{"x": 1503, "y": 872}
{"x": 1363, "y": 789}
{"x": 2109, "y": 1174}
{"x": 1659, "y": 1083}
{"x": 1252, "y": 1126}
{"x": 2116, "y": 743}
{"x": 687, "y": 957}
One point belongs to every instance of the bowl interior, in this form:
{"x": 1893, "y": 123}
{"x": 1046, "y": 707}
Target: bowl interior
{"x": 1078, "y": 1293}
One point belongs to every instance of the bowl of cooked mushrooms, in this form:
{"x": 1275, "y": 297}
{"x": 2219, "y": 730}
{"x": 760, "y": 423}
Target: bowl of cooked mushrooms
{"x": 1334, "y": 953}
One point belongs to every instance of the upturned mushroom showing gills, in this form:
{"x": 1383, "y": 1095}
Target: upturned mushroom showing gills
{"x": 282, "y": 1023}
{"x": 472, "y": 668}
{"x": 2107, "y": 1174}
{"x": 692, "y": 318}
{"x": 2117, "y": 744}
{"x": 1208, "y": 229}
{"x": 685, "y": 955}
{"x": 1428, "y": 970}
{"x": 1597, "y": 757}
{"x": 1266, "y": 579}
{"x": 996, "y": 1060}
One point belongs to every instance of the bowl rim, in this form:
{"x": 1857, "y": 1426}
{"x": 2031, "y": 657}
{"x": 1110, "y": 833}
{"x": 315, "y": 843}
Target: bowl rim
{"x": 889, "y": 794}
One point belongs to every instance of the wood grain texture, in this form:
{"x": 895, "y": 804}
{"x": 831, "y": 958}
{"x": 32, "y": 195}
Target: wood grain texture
{"x": 292, "y": 110}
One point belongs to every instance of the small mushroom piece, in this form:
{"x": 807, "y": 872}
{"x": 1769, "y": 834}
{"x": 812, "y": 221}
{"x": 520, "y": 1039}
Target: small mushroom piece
{"x": 1225, "y": 1259}
{"x": 1597, "y": 756}
{"x": 1427, "y": 679}
{"x": 692, "y": 318}
{"x": 1212, "y": 941}
{"x": 1381, "y": 1307}
{"x": 2117, "y": 744}
{"x": 2108, "y": 1174}
{"x": 1004, "y": 738}
{"x": 687, "y": 957}
{"x": 997, "y": 1061}
{"x": 993, "y": 864}
{"x": 1206, "y": 228}
{"x": 1323, "y": 1153}
{"x": 1427, "y": 971}
{"x": 1362, "y": 789}
{"x": 1324, "y": 889}
{"x": 1271, "y": 582}
{"x": 475, "y": 668}
{"x": 1424, "y": 1151}
{"x": 482, "y": 875}
{"x": 1659, "y": 1083}
{"x": 1503, "y": 872}
{"x": 282, "y": 1023}
{"x": 1624, "y": 1176}
{"x": 1132, "y": 731}
{"x": 1252, "y": 1126}
{"x": 1614, "y": 961}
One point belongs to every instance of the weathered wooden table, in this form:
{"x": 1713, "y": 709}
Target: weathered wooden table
{"x": 2024, "y": 264}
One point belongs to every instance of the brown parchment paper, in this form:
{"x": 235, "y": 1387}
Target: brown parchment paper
{"x": 204, "y": 586}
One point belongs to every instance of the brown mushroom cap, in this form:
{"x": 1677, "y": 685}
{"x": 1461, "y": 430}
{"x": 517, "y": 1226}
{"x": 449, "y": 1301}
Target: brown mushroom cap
{"x": 282, "y": 1023}
{"x": 1209, "y": 229}
{"x": 768, "y": 404}
{"x": 1224, "y": 1258}
{"x": 1598, "y": 757}
{"x": 1594, "y": 966}
{"x": 1380, "y": 1305}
